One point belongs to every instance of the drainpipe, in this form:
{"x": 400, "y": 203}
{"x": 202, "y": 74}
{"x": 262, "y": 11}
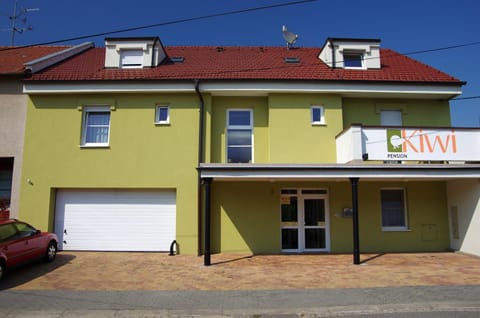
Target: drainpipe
{"x": 200, "y": 160}
{"x": 207, "y": 251}
{"x": 356, "y": 231}
{"x": 333, "y": 56}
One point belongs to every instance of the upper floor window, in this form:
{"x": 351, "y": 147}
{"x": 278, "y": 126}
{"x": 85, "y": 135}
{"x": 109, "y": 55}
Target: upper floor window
{"x": 239, "y": 135}
{"x": 131, "y": 58}
{"x": 317, "y": 115}
{"x": 394, "y": 212}
{"x": 162, "y": 114}
{"x": 391, "y": 118}
{"x": 353, "y": 60}
{"x": 96, "y": 126}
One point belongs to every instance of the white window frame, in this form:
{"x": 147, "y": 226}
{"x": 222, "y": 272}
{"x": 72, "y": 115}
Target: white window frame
{"x": 240, "y": 127}
{"x": 157, "y": 115}
{"x": 301, "y": 195}
{"x": 322, "y": 115}
{"x": 395, "y": 228}
{"x": 135, "y": 61}
{"x": 362, "y": 60}
{"x": 94, "y": 109}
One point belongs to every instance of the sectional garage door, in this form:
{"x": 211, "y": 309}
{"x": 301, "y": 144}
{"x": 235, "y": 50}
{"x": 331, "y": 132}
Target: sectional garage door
{"x": 115, "y": 220}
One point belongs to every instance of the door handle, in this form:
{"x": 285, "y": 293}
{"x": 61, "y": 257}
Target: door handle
{"x": 65, "y": 231}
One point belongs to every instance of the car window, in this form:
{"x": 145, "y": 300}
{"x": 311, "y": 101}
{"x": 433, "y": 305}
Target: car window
{"x": 7, "y": 232}
{"x": 25, "y": 230}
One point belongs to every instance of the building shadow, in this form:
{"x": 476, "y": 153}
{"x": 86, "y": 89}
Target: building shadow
{"x": 232, "y": 260}
{"x": 371, "y": 258}
{"x": 27, "y": 272}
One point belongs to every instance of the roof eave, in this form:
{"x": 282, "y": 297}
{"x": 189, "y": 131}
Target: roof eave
{"x": 226, "y": 172}
{"x": 250, "y": 87}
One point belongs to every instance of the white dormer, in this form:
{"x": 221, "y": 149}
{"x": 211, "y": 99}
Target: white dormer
{"x": 361, "y": 54}
{"x": 133, "y": 52}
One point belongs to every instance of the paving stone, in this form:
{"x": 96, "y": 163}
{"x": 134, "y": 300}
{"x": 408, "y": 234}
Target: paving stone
{"x": 112, "y": 271}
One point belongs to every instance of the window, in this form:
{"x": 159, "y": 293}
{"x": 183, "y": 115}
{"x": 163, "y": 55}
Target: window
{"x": 239, "y": 136}
{"x": 177, "y": 59}
{"x": 131, "y": 58}
{"x": 96, "y": 126}
{"x": 162, "y": 115}
{"x": 394, "y": 214}
{"x": 391, "y": 118}
{"x": 25, "y": 230}
{"x": 5, "y": 187}
{"x": 292, "y": 60}
{"x": 7, "y": 232}
{"x": 353, "y": 60}
{"x": 317, "y": 115}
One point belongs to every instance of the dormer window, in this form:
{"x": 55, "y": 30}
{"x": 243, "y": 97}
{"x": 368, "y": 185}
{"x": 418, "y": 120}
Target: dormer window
{"x": 353, "y": 60}
{"x": 361, "y": 54}
{"x": 131, "y": 58}
{"x": 140, "y": 52}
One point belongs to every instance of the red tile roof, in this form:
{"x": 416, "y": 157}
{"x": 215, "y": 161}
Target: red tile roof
{"x": 12, "y": 59}
{"x": 242, "y": 63}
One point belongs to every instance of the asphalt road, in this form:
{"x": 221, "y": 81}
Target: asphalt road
{"x": 416, "y": 301}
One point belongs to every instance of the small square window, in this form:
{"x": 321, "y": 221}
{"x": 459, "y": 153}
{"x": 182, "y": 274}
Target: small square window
{"x": 96, "y": 126}
{"x": 162, "y": 115}
{"x": 317, "y": 115}
{"x": 353, "y": 60}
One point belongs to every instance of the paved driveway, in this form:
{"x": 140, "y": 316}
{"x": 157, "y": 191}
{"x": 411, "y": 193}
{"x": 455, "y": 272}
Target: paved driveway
{"x": 111, "y": 271}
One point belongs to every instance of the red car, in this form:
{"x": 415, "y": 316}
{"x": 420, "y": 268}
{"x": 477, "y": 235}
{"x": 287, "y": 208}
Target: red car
{"x": 21, "y": 243}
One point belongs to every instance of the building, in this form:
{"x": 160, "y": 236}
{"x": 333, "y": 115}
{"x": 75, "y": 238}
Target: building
{"x": 249, "y": 149}
{"x": 18, "y": 63}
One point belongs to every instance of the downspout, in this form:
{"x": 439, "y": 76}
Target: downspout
{"x": 201, "y": 143}
{"x": 333, "y": 56}
{"x": 356, "y": 231}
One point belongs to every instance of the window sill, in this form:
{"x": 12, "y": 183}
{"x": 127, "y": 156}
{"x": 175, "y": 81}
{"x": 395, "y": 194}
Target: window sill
{"x": 354, "y": 68}
{"x": 319, "y": 124}
{"x": 396, "y": 230}
{"x": 161, "y": 123}
{"x": 94, "y": 146}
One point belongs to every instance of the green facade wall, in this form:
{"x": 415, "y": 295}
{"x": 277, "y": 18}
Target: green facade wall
{"x": 283, "y": 132}
{"x": 141, "y": 155}
{"x": 423, "y": 113}
{"x": 293, "y": 138}
{"x": 246, "y": 216}
{"x": 220, "y": 105}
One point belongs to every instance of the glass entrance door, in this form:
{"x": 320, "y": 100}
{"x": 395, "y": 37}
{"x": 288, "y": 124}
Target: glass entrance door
{"x": 314, "y": 224}
{"x": 304, "y": 221}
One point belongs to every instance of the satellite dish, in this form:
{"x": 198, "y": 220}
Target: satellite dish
{"x": 290, "y": 37}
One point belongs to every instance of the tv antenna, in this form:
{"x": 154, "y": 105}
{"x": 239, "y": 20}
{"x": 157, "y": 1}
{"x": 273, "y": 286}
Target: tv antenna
{"x": 19, "y": 15}
{"x": 290, "y": 37}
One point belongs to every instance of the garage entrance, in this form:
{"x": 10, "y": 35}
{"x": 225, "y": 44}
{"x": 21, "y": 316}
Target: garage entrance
{"x": 115, "y": 220}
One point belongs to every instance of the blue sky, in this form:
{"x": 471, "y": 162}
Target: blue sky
{"x": 404, "y": 26}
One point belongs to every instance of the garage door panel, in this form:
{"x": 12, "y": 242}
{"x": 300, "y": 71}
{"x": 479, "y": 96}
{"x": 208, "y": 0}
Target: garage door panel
{"x": 116, "y": 220}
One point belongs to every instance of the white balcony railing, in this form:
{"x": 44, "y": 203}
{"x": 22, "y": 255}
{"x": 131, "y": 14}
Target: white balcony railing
{"x": 359, "y": 143}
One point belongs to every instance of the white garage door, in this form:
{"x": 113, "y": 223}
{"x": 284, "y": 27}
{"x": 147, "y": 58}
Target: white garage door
{"x": 115, "y": 220}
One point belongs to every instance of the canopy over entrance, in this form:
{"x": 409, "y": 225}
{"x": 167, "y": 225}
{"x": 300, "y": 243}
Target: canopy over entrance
{"x": 309, "y": 172}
